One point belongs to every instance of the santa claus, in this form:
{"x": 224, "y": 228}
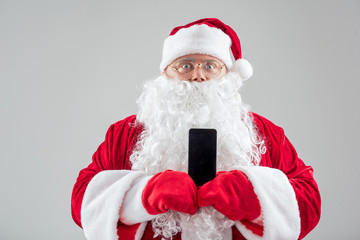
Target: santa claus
{"x": 137, "y": 185}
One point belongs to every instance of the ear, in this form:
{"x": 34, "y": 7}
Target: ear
{"x": 243, "y": 68}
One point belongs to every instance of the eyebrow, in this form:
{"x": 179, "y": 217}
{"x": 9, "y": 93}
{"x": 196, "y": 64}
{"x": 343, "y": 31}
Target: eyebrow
{"x": 193, "y": 59}
{"x": 187, "y": 59}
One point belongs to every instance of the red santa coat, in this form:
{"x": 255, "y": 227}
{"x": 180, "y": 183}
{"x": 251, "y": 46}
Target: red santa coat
{"x": 287, "y": 192}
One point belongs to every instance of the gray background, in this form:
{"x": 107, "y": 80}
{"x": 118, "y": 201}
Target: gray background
{"x": 69, "y": 69}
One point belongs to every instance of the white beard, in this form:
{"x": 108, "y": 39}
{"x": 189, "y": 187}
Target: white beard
{"x": 168, "y": 109}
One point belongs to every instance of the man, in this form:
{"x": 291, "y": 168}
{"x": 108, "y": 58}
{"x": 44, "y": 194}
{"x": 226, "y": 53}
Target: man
{"x": 137, "y": 186}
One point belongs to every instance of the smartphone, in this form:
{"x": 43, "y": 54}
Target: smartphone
{"x": 202, "y": 155}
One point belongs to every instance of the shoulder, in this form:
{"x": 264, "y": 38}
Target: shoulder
{"x": 267, "y": 129}
{"x": 124, "y": 123}
{"x": 122, "y": 128}
{"x": 264, "y": 123}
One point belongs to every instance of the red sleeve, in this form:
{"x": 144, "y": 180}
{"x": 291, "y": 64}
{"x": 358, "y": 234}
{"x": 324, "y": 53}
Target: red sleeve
{"x": 282, "y": 155}
{"x": 112, "y": 154}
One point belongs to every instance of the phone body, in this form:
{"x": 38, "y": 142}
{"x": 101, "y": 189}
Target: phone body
{"x": 202, "y": 155}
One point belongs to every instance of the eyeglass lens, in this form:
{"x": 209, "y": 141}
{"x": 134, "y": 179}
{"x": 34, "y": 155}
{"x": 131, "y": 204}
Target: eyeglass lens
{"x": 186, "y": 68}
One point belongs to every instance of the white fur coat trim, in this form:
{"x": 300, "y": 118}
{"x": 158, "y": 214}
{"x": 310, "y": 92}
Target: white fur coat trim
{"x": 103, "y": 199}
{"x": 280, "y": 211}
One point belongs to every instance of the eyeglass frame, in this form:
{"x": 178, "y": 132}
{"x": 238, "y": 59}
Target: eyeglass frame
{"x": 222, "y": 65}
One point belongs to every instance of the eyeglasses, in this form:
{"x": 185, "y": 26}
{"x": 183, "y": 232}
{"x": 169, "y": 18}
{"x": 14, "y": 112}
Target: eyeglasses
{"x": 185, "y": 68}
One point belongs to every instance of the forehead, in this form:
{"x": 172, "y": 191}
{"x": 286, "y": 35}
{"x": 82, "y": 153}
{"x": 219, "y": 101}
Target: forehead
{"x": 197, "y": 57}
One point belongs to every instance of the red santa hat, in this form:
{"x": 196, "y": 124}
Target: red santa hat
{"x": 206, "y": 36}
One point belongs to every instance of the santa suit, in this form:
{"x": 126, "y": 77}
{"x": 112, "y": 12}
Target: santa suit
{"x": 287, "y": 192}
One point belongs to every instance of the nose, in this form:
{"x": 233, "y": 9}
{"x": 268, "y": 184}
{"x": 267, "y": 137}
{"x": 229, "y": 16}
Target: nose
{"x": 198, "y": 75}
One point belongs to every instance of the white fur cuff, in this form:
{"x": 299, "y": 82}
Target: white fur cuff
{"x": 132, "y": 210}
{"x": 103, "y": 200}
{"x": 280, "y": 211}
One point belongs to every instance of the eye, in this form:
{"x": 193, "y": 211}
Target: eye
{"x": 209, "y": 67}
{"x": 186, "y": 66}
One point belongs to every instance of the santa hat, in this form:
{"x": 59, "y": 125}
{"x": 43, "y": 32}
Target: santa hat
{"x": 206, "y": 36}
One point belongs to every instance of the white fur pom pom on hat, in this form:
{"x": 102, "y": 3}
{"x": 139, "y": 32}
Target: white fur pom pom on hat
{"x": 243, "y": 68}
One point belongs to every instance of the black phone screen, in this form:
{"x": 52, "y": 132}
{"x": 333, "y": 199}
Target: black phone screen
{"x": 202, "y": 155}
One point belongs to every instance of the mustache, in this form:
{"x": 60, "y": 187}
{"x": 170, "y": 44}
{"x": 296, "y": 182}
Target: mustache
{"x": 182, "y": 94}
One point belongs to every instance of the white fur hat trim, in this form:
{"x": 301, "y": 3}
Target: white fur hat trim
{"x": 200, "y": 39}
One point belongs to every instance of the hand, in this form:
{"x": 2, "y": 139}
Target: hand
{"x": 170, "y": 190}
{"x": 232, "y": 194}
